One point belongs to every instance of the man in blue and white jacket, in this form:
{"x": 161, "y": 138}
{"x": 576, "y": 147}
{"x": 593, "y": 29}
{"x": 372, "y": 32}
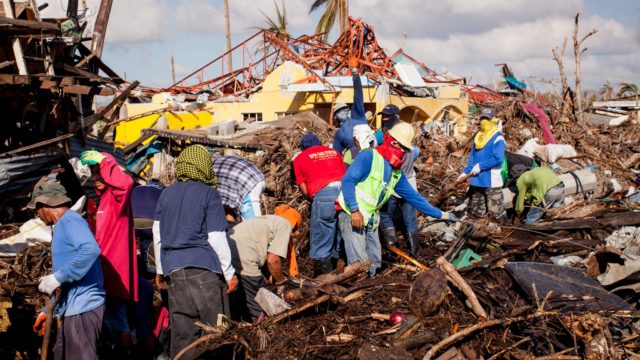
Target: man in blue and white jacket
{"x": 484, "y": 167}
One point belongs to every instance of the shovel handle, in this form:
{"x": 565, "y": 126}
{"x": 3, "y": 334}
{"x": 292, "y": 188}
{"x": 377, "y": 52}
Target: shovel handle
{"x": 407, "y": 257}
{"x": 51, "y": 305}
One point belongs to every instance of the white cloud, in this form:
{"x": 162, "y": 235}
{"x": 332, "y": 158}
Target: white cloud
{"x": 207, "y": 17}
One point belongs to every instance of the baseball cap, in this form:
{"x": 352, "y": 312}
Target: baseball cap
{"x": 390, "y": 110}
{"x": 48, "y": 192}
{"x": 487, "y": 113}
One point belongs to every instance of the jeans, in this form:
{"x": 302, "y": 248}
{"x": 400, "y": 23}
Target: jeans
{"x": 194, "y": 295}
{"x": 552, "y": 199}
{"x": 250, "y": 206}
{"x": 243, "y": 300}
{"x": 324, "y": 237}
{"x": 362, "y": 244}
{"x": 409, "y": 215}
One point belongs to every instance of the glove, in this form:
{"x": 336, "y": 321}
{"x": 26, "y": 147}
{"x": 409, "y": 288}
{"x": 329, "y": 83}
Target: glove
{"x": 461, "y": 177}
{"x": 91, "y": 157}
{"x": 475, "y": 170}
{"x": 232, "y": 284}
{"x": 48, "y": 284}
{"x": 450, "y": 217}
{"x": 40, "y": 323}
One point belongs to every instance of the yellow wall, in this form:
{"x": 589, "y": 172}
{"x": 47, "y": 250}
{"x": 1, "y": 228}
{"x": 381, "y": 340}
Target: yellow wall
{"x": 274, "y": 98}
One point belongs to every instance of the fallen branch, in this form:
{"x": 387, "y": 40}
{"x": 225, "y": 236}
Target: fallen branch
{"x": 328, "y": 279}
{"x": 194, "y": 344}
{"x": 479, "y": 326}
{"x": 498, "y": 354}
{"x": 298, "y": 310}
{"x": 460, "y": 283}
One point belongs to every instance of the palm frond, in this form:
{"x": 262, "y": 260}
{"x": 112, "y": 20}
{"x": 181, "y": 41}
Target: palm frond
{"x": 317, "y": 4}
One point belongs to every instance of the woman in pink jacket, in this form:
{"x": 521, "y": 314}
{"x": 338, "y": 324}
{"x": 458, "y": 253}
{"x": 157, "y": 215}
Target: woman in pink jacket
{"x": 115, "y": 236}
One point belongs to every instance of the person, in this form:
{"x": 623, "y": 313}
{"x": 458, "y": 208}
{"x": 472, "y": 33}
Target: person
{"x": 75, "y": 269}
{"x": 144, "y": 199}
{"x": 343, "y": 138}
{"x": 190, "y": 242}
{"x": 363, "y": 138}
{"x": 116, "y": 238}
{"x": 368, "y": 184}
{"x": 240, "y": 184}
{"x": 260, "y": 241}
{"x": 409, "y": 215}
{"x": 389, "y": 116}
{"x": 485, "y": 167}
{"x": 540, "y": 187}
{"x": 318, "y": 170}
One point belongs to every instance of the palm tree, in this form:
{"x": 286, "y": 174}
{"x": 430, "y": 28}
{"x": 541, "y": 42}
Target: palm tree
{"x": 628, "y": 88}
{"x": 332, "y": 9}
{"x": 606, "y": 91}
{"x": 279, "y": 24}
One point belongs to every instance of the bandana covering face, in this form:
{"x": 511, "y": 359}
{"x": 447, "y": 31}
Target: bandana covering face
{"x": 391, "y": 153}
{"x": 488, "y": 128}
{"x": 194, "y": 163}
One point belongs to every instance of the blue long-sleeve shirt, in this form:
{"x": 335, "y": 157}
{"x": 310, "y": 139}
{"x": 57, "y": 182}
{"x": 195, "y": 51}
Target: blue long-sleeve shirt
{"x": 343, "y": 139}
{"x": 359, "y": 171}
{"x": 75, "y": 254}
{"x": 490, "y": 159}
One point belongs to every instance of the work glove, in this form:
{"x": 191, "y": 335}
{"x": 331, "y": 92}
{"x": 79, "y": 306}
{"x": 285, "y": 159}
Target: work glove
{"x": 91, "y": 157}
{"x": 48, "y": 284}
{"x": 475, "y": 170}
{"x": 232, "y": 284}
{"x": 450, "y": 217}
{"x": 461, "y": 177}
{"x": 39, "y": 325}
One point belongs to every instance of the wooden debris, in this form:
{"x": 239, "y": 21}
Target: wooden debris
{"x": 460, "y": 283}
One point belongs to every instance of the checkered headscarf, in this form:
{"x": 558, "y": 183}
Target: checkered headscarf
{"x": 194, "y": 163}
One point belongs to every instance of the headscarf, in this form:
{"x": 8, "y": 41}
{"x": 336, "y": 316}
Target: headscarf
{"x": 289, "y": 213}
{"x": 364, "y": 135}
{"x": 295, "y": 219}
{"x": 391, "y": 153}
{"x": 309, "y": 140}
{"x": 488, "y": 128}
{"x": 194, "y": 163}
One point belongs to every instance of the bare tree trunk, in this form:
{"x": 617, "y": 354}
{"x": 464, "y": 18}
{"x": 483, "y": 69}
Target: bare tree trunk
{"x": 578, "y": 51}
{"x": 558, "y": 56}
{"x": 227, "y": 19}
{"x": 343, "y": 8}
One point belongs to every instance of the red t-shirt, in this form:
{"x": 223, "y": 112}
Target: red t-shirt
{"x": 318, "y": 166}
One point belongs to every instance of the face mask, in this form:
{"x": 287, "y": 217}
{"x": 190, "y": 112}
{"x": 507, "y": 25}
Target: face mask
{"x": 391, "y": 153}
{"x": 341, "y": 116}
{"x": 486, "y": 125}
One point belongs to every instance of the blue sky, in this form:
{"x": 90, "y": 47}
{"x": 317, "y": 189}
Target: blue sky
{"x": 464, "y": 36}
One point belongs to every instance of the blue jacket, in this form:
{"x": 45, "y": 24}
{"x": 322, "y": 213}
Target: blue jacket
{"x": 343, "y": 139}
{"x": 75, "y": 253}
{"x": 359, "y": 171}
{"x": 490, "y": 158}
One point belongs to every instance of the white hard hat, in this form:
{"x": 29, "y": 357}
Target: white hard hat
{"x": 403, "y": 133}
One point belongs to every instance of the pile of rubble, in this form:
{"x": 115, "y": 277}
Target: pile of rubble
{"x": 541, "y": 290}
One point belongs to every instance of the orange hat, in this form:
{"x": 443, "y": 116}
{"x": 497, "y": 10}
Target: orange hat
{"x": 289, "y": 213}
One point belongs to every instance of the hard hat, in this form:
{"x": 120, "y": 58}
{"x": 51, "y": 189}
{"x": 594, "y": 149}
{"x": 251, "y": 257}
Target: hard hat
{"x": 403, "y": 133}
{"x": 339, "y": 105}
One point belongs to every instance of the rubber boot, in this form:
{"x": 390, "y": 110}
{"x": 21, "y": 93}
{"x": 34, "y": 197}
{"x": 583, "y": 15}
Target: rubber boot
{"x": 323, "y": 266}
{"x": 388, "y": 236}
{"x": 414, "y": 243}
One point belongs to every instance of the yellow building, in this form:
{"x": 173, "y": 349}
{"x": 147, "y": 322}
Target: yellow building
{"x": 287, "y": 90}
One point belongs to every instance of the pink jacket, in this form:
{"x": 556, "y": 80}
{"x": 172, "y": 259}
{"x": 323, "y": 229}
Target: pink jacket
{"x": 115, "y": 234}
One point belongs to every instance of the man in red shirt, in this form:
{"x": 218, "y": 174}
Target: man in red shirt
{"x": 319, "y": 170}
